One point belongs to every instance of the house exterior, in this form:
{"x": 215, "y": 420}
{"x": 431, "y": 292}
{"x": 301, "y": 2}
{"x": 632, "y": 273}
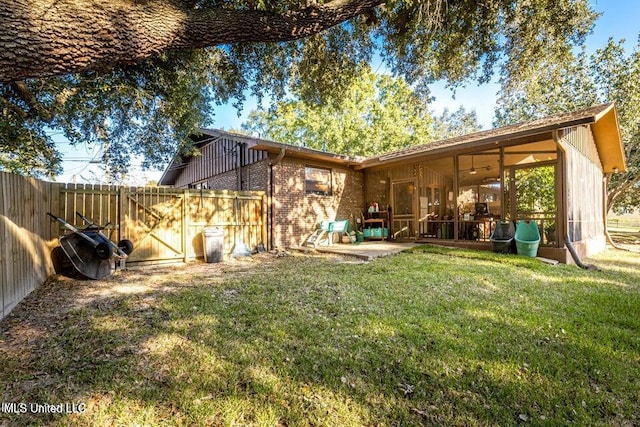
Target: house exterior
{"x": 552, "y": 170}
{"x": 285, "y": 173}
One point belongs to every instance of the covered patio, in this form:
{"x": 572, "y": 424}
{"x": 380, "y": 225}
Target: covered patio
{"x": 550, "y": 171}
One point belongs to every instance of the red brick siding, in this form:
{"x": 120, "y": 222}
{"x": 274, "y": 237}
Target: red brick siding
{"x": 297, "y": 214}
{"x": 255, "y": 177}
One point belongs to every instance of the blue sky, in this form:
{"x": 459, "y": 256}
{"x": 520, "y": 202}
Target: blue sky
{"x": 620, "y": 19}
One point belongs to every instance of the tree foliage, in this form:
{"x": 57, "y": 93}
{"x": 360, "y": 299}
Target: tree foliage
{"x": 376, "y": 114}
{"x": 608, "y": 74}
{"x": 121, "y": 82}
{"x": 450, "y": 124}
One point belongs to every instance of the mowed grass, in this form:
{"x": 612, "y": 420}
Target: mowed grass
{"x": 625, "y": 235}
{"x": 432, "y": 336}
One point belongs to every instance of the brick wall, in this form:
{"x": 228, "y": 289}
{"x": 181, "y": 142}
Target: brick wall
{"x": 255, "y": 177}
{"x": 297, "y": 214}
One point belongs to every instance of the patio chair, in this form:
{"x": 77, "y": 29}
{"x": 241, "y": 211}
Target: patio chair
{"x": 342, "y": 226}
{"x": 527, "y": 238}
{"x": 321, "y": 234}
{"x": 325, "y": 233}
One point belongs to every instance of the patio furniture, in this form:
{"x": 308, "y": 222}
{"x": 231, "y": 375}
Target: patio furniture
{"x": 325, "y": 233}
{"x": 320, "y": 234}
{"x": 375, "y": 226}
{"x": 502, "y": 238}
{"x": 341, "y": 226}
{"x": 527, "y": 238}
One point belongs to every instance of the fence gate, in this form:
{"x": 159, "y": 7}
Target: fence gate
{"x": 154, "y": 220}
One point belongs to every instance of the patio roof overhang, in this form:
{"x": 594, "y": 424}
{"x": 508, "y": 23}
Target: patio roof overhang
{"x": 606, "y": 133}
{"x": 602, "y": 119}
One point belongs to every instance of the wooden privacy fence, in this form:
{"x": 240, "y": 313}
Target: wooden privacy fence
{"x": 164, "y": 224}
{"x": 26, "y": 238}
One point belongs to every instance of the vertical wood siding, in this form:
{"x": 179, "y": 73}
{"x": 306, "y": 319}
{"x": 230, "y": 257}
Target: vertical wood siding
{"x": 217, "y": 157}
{"x": 585, "y": 199}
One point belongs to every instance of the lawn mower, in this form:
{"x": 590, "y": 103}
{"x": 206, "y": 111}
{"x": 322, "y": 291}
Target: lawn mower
{"x": 90, "y": 252}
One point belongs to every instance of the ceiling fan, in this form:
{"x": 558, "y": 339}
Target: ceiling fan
{"x": 473, "y": 170}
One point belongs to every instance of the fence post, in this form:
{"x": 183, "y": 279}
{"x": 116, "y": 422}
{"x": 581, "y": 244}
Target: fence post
{"x": 122, "y": 209}
{"x": 264, "y": 212}
{"x": 185, "y": 225}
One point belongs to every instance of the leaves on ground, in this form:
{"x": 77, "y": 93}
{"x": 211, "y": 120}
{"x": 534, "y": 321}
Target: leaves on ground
{"x": 432, "y": 336}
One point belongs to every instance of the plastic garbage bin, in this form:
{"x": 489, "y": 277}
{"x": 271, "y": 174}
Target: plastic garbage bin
{"x": 502, "y": 237}
{"x": 527, "y": 238}
{"x": 213, "y": 244}
{"x": 447, "y": 230}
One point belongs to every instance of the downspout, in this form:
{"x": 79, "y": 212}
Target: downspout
{"x": 239, "y": 164}
{"x": 565, "y": 179}
{"x": 272, "y": 209}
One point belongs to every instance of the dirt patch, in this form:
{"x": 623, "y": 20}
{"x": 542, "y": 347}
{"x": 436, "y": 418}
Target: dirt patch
{"x": 39, "y": 314}
{"x": 626, "y": 239}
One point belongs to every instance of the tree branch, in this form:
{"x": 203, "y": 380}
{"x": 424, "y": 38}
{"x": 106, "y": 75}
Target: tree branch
{"x": 36, "y": 109}
{"x": 6, "y": 103}
{"x": 42, "y": 38}
{"x": 620, "y": 190}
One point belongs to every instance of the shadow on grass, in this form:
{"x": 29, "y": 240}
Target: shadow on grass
{"x": 398, "y": 341}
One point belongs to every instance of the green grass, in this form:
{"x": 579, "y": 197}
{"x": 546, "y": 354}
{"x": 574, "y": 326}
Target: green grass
{"x": 625, "y": 235}
{"x": 433, "y": 336}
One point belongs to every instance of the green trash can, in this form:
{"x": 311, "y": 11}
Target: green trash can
{"x": 527, "y": 238}
{"x": 447, "y": 232}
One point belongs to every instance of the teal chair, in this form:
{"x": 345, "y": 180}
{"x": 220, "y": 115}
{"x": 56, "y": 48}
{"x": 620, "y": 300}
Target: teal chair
{"x": 527, "y": 238}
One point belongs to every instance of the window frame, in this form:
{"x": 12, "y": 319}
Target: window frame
{"x": 309, "y": 184}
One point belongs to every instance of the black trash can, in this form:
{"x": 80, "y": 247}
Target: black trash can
{"x": 502, "y": 238}
{"x": 213, "y": 244}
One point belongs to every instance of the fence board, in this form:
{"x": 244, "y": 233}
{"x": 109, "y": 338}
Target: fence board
{"x": 4, "y": 267}
{"x": 25, "y": 232}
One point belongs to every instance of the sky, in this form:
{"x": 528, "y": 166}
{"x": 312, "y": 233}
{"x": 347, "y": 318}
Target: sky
{"x": 619, "y": 20}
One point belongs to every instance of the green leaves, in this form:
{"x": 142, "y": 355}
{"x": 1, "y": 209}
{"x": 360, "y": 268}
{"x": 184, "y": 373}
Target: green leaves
{"x": 374, "y": 115}
{"x": 609, "y": 74}
{"x": 148, "y": 108}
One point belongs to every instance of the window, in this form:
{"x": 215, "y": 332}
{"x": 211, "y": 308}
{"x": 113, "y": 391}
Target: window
{"x": 203, "y": 185}
{"x": 317, "y": 181}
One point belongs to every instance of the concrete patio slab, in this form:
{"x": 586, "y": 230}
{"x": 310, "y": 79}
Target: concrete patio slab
{"x": 364, "y": 250}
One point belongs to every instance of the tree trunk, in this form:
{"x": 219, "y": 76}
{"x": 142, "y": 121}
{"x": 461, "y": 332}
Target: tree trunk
{"x": 620, "y": 189}
{"x": 42, "y": 38}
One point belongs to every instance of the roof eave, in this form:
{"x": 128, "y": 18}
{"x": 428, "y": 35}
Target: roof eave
{"x": 606, "y": 133}
{"x": 474, "y": 144}
{"x": 303, "y": 153}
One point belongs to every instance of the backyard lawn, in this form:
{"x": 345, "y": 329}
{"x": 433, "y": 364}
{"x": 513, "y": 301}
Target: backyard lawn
{"x": 432, "y": 336}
